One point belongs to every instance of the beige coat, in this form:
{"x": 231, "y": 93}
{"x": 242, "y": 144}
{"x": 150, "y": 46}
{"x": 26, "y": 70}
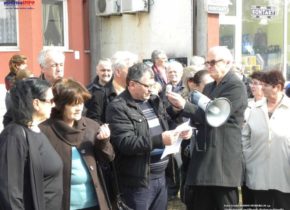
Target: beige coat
{"x": 266, "y": 147}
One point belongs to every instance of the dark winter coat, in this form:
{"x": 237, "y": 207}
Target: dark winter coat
{"x": 217, "y": 155}
{"x": 101, "y": 96}
{"x": 131, "y": 138}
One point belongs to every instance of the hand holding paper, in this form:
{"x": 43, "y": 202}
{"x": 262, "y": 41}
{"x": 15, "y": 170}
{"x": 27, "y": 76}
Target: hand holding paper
{"x": 183, "y": 131}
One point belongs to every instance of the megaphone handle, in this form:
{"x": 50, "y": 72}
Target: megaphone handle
{"x": 193, "y": 140}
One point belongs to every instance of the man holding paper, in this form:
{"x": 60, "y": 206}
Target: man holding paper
{"x": 139, "y": 133}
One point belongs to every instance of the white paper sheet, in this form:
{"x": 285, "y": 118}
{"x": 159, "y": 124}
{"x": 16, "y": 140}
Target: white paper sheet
{"x": 175, "y": 147}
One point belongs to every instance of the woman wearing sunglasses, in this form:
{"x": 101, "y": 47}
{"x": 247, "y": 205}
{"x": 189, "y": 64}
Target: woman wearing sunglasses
{"x": 31, "y": 170}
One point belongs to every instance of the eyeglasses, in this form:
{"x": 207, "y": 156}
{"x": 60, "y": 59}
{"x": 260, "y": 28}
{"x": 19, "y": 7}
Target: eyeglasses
{"x": 144, "y": 85}
{"x": 105, "y": 70}
{"x": 49, "y": 101}
{"x": 54, "y": 65}
{"x": 212, "y": 62}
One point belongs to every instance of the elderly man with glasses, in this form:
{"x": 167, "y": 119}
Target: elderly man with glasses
{"x": 215, "y": 168}
{"x": 51, "y": 62}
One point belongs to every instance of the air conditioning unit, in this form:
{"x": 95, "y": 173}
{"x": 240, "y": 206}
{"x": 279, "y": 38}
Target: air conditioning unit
{"x": 108, "y": 7}
{"x": 133, "y": 6}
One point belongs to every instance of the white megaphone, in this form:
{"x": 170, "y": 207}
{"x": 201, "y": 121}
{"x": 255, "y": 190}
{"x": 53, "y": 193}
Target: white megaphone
{"x": 217, "y": 111}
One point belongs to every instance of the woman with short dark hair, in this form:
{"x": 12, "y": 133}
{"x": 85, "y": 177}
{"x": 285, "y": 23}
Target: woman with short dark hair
{"x": 82, "y": 144}
{"x": 31, "y": 170}
{"x": 266, "y": 145}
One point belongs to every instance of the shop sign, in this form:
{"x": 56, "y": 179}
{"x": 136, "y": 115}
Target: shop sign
{"x": 263, "y": 11}
{"x": 217, "y": 6}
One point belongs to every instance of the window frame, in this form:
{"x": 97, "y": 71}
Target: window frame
{"x": 16, "y": 47}
{"x": 65, "y": 47}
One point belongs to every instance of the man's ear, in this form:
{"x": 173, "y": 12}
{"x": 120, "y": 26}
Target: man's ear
{"x": 117, "y": 72}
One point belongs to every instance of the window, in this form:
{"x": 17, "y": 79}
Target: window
{"x": 262, "y": 35}
{"x": 8, "y": 27}
{"x": 54, "y": 23}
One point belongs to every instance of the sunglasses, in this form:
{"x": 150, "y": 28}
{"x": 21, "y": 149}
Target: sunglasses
{"x": 212, "y": 62}
{"x": 49, "y": 101}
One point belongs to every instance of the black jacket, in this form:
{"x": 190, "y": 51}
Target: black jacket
{"x": 21, "y": 172}
{"x": 101, "y": 96}
{"x": 131, "y": 138}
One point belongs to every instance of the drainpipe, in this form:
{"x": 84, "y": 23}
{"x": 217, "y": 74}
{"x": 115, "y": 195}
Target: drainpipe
{"x": 95, "y": 42}
{"x": 200, "y": 28}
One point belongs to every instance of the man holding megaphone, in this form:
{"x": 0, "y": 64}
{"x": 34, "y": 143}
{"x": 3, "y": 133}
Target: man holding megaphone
{"x": 215, "y": 169}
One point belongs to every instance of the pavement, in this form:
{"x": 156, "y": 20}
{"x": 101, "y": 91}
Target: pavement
{"x": 176, "y": 204}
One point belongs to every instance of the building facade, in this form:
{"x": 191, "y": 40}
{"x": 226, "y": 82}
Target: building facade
{"x": 86, "y": 34}
{"x": 26, "y": 27}
{"x": 258, "y": 33}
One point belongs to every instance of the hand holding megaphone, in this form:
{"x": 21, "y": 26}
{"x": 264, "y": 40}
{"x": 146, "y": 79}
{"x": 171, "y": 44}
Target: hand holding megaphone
{"x": 176, "y": 100}
{"x": 217, "y": 111}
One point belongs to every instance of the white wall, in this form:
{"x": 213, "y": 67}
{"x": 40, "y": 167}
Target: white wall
{"x": 168, "y": 26}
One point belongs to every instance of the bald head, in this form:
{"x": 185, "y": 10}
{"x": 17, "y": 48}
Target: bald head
{"x": 219, "y": 62}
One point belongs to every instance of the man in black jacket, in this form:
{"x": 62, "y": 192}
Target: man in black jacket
{"x": 102, "y": 95}
{"x": 215, "y": 169}
{"x": 139, "y": 133}
{"x": 99, "y": 88}
{"x": 104, "y": 74}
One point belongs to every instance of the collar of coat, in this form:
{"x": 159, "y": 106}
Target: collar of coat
{"x": 215, "y": 89}
{"x": 70, "y": 135}
{"x": 284, "y": 102}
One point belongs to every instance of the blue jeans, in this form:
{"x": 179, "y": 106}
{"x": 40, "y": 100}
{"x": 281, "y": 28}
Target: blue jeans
{"x": 153, "y": 197}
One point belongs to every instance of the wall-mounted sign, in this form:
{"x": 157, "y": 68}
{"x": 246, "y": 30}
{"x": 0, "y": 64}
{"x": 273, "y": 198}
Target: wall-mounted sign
{"x": 217, "y": 6}
{"x": 263, "y": 11}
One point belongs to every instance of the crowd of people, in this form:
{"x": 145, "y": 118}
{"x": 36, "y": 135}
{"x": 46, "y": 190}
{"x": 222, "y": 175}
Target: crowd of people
{"x": 66, "y": 145}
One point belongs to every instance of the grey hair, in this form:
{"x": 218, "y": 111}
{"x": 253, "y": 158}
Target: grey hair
{"x": 136, "y": 72}
{"x": 123, "y": 59}
{"x": 197, "y": 61}
{"x": 155, "y": 54}
{"x": 222, "y": 52}
{"x": 104, "y": 62}
{"x": 46, "y": 53}
{"x": 175, "y": 65}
